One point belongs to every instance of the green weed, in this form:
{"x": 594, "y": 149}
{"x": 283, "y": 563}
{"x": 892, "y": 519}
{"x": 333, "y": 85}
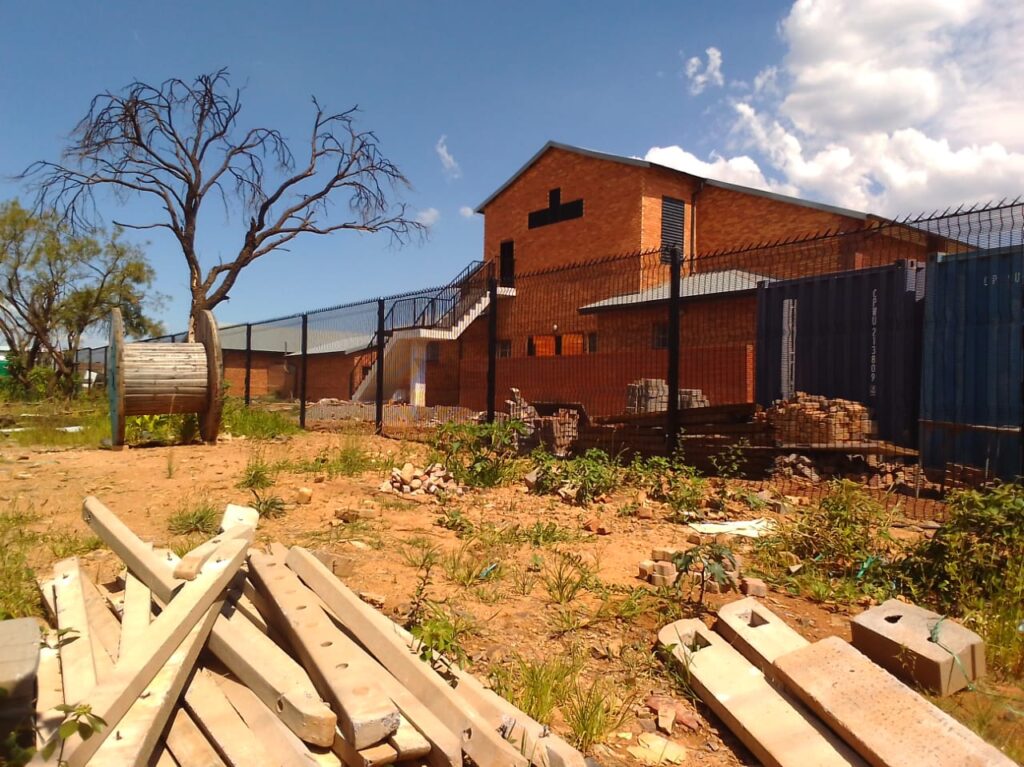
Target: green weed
{"x": 565, "y": 578}
{"x": 592, "y": 712}
{"x": 200, "y": 517}
{"x": 19, "y": 595}
{"x": 479, "y": 454}
{"x": 66, "y": 544}
{"x": 258, "y": 474}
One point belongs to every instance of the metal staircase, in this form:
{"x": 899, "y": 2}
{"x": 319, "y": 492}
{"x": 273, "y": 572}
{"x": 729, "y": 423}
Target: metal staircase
{"x": 443, "y": 316}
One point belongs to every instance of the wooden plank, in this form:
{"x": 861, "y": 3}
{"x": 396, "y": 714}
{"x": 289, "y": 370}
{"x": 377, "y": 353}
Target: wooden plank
{"x": 375, "y": 756}
{"x": 530, "y": 737}
{"x": 138, "y": 556}
{"x": 275, "y": 678}
{"x": 445, "y": 750}
{"x": 77, "y": 663}
{"x": 338, "y": 667}
{"x": 135, "y": 737}
{"x": 112, "y": 697}
{"x": 51, "y": 690}
{"x": 222, "y": 725}
{"x": 253, "y": 658}
{"x": 138, "y": 608}
{"x": 278, "y": 741}
{"x": 188, "y": 744}
{"x": 235, "y": 514}
{"x": 371, "y": 629}
{"x": 103, "y": 628}
{"x": 408, "y": 741}
{"x": 193, "y": 561}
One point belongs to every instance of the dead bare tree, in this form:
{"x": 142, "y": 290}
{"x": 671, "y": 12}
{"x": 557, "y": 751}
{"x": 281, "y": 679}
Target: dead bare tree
{"x": 180, "y": 143}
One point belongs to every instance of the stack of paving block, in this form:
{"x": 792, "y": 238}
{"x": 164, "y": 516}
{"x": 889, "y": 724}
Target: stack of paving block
{"x": 660, "y": 570}
{"x": 816, "y": 420}
{"x": 795, "y": 703}
{"x": 650, "y": 395}
{"x": 233, "y": 656}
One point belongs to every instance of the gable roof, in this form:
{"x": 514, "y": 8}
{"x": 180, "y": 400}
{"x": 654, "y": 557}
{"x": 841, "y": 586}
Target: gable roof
{"x": 646, "y": 164}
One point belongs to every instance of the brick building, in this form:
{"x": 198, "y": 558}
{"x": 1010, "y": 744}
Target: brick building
{"x": 575, "y": 239}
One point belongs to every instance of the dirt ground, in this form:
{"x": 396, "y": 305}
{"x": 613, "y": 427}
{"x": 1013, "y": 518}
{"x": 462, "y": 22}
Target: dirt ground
{"x": 145, "y": 486}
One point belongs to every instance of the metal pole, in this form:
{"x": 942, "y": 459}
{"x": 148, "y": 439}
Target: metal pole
{"x": 378, "y": 418}
{"x": 672, "y": 415}
{"x": 248, "y": 364}
{"x": 305, "y": 358}
{"x": 492, "y": 347}
{"x": 89, "y": 374}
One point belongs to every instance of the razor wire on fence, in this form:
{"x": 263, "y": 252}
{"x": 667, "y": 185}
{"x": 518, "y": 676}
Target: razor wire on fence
{"x": 891, "y": 355}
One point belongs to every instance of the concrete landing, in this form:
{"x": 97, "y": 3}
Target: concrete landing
{"x": 887, "y": 723}
{"x": 758, "y": 633}
{"x": 778, "y": 731}
{"x": 898, "y": 637}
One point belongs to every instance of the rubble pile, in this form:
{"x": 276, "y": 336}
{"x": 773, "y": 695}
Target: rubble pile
{"x": 650, "y": 395}
{"x": 557, "y": 433}
{"x": 813, "y": 419}
{"x": 413, "y": 480}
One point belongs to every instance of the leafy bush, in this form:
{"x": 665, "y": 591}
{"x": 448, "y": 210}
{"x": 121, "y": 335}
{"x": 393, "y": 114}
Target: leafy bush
{"x": 580, "y": 479}
{"x": 669, "y": 480}
{"x": 973, "y": 568}
{"x": 846, "y": 536}
{"x": 479, "y": 454}
{"x": 714, "y": 561}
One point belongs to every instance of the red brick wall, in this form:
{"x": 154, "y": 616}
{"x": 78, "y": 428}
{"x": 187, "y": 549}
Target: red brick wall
{"x": 331, "y": 375}
{"x": 272, "y": 374}
{"x": 610, "y": 224}
{"x": 443, "y": 374}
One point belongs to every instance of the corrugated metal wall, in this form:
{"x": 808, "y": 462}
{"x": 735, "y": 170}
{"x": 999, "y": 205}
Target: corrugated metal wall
{"x": 854, "y": 335}
{"x": 971, "y": 409}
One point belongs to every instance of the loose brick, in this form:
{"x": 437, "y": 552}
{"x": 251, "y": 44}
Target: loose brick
{"x": 754, "y": 587}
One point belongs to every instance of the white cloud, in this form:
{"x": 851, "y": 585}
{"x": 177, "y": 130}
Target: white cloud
{"x": 466, "y": 212}
{"x": 428, "y": 216}
{"x": 448, "y": 163}
{"x": 883, "y": 106}
{"x": 741, "y": 170}
{"x": 711, "y": 74}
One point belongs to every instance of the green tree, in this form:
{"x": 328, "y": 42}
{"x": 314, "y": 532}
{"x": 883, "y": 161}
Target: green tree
{"x": 57, "y": 285}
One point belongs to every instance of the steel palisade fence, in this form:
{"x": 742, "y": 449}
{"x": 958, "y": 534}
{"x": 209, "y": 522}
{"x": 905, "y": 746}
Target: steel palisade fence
{"x": 892, "y": 355}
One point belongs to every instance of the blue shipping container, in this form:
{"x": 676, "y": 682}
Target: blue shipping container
{"x": 854, "y": 335}
{"x": 972, "y": 368}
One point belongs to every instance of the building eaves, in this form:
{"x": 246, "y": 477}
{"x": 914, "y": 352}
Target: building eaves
{"x": 636, "y": 162}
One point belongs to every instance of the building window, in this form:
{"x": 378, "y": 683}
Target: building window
{"x": 541, "y": 346}
{"x": 433, "y": 351}
{"x": 504, "y": 348}
{"x": 659, "y": 335}
{"x": 572, "y": 344}
{"x": 672, "y": 226}
{"x": 591, "y": 343}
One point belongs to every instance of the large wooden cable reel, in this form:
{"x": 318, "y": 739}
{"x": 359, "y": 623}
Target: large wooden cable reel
{"x": 165, "y": 378}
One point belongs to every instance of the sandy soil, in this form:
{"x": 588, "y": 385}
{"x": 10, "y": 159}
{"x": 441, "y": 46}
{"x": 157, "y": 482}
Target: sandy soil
{"x": 145, "y": 486}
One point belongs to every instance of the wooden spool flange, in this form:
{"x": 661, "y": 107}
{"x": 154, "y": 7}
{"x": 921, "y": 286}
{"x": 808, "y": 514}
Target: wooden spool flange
{"x": 162, "y": 378}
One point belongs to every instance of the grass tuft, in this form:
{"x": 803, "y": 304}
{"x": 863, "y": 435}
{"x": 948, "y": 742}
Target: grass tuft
{"x": 200, "y": 517}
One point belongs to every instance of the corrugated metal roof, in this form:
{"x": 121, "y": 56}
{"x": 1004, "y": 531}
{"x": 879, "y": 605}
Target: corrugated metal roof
{"x": 646, "y": 164}
{"x": 692, "y": 286}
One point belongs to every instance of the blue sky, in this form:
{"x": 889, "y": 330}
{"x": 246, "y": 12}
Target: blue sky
{"x": 744, "y": 91}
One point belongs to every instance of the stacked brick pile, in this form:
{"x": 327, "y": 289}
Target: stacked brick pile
{"x": 650, "y": 395}
{"x": 813, "y": 419}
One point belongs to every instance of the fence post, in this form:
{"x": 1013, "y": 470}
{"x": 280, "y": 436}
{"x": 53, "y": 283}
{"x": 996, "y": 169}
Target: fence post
{"x": 492, "y": 347}
{"x": 378, "y": 398}
{"x": 89, "y": 374}
{"x": 305, "y": 357}
{"x": 672, "y": 414}
{"x": 248, "y": 364}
